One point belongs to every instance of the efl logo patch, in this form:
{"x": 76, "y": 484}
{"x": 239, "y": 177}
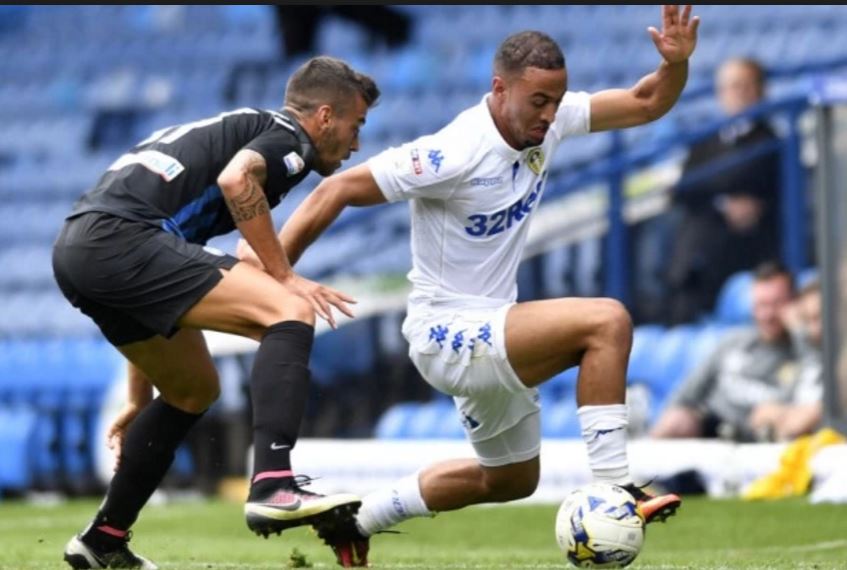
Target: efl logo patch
{"x": 293, "y": 163}
{"x": 213, "y": 250}
{"x": 416, "y": 162}
{"x": 535, "y": 160}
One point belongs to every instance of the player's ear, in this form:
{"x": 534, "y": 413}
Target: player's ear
{"x": 498, "y": 85}
{"x": 325, "y": 115}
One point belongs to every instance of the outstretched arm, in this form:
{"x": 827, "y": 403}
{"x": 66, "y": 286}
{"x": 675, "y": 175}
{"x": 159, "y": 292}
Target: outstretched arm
{"x": 655, "y": 94}
{"x": 353, "y": 187}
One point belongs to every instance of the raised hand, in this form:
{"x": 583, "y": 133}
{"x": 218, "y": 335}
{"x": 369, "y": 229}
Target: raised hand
{"x": 678, "y": 37}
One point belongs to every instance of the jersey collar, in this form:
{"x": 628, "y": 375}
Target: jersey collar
{"x": 498, "y": 143}
{"x": 306, "y": 145}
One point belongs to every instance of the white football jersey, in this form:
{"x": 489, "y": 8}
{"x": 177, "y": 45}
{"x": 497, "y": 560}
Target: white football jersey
{"x": 471, "y": 199}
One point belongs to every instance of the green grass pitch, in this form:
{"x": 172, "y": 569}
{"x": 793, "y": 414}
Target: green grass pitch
{"x": 212, "y": 535}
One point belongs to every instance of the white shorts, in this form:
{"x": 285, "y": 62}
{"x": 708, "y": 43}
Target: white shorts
{"x": 463, "y": 353}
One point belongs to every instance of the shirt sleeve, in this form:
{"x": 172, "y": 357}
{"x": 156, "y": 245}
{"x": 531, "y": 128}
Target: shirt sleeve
{"x": 281, "y": 151}
{"x": 574, "y": 115}
{"x": 428, "y": 167}
{"x": 809, "y": 387}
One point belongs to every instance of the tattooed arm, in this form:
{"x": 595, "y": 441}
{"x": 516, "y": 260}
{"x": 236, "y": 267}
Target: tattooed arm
{"x": 242, "y": 183}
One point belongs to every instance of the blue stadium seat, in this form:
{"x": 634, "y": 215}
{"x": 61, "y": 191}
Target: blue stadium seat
{"x": 806, "y": 276}
{"x": 645, "y": 342}
{"x": 670, "y": 362}
{"x": 560, "y": 420}
{"x": 434, "y": 420}
{"x": 394, "y": 422}
{"x": 560, "y": 387}
{"x": 345, "y": 354}
{"x": 734, "y": 304}
{"x": 17, "y": 431}
{"x": 706, "y": 340}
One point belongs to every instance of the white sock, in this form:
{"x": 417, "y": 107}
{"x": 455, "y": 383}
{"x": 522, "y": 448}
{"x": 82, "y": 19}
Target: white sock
{"x": 604, "y": 432}
{"x": 387, "y": 507}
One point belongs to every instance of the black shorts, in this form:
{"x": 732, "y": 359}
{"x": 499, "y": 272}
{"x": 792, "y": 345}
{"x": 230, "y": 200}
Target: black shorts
{"x": 133, "y": 279}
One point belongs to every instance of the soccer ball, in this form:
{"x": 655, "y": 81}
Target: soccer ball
{"x": 599, "y": 526}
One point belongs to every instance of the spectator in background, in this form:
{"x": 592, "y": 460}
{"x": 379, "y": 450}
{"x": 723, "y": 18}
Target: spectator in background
{"x": 298, "y": 24}
{"x": 780, "y": 420}
{"x": 750, "y": 367}
{"x": 724, "y": 216}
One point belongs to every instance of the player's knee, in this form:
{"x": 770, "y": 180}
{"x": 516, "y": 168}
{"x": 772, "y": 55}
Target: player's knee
{"x": 195, "y": 403}
{"x": 298, "y": 309}
{"x": 614, "y": 323}
{"x": 290, "y": 308}
{"x": 196, "y": 397}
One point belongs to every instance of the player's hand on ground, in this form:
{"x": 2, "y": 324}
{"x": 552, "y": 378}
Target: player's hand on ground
{"x": 245, "y": 253}
{"x": 117, "y": 431}
{"x": 321, "y": 297}
{"x": 678, "y": 37}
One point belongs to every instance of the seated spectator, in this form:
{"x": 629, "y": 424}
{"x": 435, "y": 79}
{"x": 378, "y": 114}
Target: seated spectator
{"x": 750, "y": 367}
{"x": 801, "y": 415}
{"x": 724, "y": 214}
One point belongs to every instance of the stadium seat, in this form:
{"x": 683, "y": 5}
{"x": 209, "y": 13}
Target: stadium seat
{"x": 645, "y": 342}
{"x": 560, "y": 387}
{"x": 670, "y": 363}
{"x": 806, "y": 276}
{"x": 560, "y": 419}
{"x": 734, "y": 304}
{"x": 17, "y": 430}
{"x": 344, "y": 355}
{"x": 432, "y": 420}
{"x": 394, "y": 422}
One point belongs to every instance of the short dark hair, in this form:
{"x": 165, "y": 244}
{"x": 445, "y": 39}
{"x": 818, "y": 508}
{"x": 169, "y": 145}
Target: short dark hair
{"x": 326, "y": 80}
{"x": 772, "y": 269}
{"x": 528, "y": 49}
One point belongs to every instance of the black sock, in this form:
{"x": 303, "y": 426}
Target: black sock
{"x": 147, "y": 453}
{"x": 279, "y": 387}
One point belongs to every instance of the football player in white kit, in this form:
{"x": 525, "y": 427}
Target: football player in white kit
{"x": 473, "y": 187}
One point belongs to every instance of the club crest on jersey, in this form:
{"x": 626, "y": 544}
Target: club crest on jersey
{"x": 293, "y": 163}
{"x": 535, "y": 160}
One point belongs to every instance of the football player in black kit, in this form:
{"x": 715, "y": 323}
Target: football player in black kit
{"x": 131, "y": 256}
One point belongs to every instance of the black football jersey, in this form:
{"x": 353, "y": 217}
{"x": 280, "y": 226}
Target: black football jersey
{"x": 170, "y": 178}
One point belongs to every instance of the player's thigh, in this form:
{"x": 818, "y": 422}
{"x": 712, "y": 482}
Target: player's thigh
{"x": 246, "y": 301}
{"x": 180, "y": 367}
{"x": 545, "y": 337}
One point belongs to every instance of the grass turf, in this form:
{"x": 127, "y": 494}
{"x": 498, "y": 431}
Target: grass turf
{"x": 212, "y": 535}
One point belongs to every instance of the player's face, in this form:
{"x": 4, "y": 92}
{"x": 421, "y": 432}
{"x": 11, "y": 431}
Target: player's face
{"x": 529, "y": 104}
{"x": 340, "y": 136}
{"x": 770, "y": 297}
